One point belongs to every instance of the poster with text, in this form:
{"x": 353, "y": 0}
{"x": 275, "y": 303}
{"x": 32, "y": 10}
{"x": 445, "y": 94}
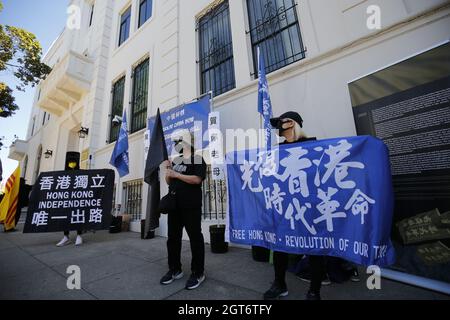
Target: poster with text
{"x": 71, "y": 200}
{"x": 407, "y": 105}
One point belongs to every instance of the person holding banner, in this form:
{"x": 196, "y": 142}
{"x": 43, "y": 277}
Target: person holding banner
{"x": 185, "y": 176}
{"x": 290, "y": 127}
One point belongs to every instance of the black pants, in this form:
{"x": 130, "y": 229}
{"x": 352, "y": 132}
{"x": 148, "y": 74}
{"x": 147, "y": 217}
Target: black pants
{"x": 79, "y": 232}
{"x": 191, "y": 219}
{"x": 317, "y": 266}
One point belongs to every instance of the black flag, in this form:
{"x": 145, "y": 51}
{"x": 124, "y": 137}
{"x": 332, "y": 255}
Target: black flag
{"x": 157, "y": 154}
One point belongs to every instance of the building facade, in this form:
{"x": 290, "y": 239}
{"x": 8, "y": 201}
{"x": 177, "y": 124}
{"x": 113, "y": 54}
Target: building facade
{"x": 147, "y": 54}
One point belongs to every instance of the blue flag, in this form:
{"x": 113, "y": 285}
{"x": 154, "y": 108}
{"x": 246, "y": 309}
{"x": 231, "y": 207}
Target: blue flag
{"x": 331, "y": 197}
{"x": 264, "y": 103}
{"x": 119, "y": 158}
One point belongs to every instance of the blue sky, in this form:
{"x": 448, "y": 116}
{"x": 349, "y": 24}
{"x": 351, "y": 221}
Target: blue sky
{"x": 46, "y": 19}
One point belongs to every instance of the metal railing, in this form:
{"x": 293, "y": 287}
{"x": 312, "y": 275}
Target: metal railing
{"x": 214, "y": 198}
{"x": 132, "y": 191}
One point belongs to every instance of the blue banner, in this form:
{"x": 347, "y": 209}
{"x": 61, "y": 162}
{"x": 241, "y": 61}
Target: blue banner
{"x": 192, "y": 116}
{"x": 330, "y": 197}
{"x": 120, "y": 157}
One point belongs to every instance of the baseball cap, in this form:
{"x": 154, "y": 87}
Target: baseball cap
{"x": 288, "y": 115}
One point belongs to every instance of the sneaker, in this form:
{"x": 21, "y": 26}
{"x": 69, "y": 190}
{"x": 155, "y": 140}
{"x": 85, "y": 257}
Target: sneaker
{"x": 276, "y": 292}
{"x": 355, "y": 276}
{"x": 79, "y": 241}
{"x": 306, "y": 276}
{"x": 171, "y": 276}
{"x": 310, "y": 296}
{"x": 65, "y": 241}
{"x": 195, "y": 281}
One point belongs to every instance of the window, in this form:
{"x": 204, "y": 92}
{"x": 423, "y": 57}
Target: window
{"x": 133, "y": 199}
{"x": 216, "y": 51}
{"x": 140, "y": 97}
{"x": 274, "y": 28}
{"x": 145, "y": 11}
{"x": 92, "y": 15}
{"x": 116, "y": 107}
{"x": 125, "y": 20}
{"x": 44, "y": 118}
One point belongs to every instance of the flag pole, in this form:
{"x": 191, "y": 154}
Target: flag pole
{"x": 261, "y": 119}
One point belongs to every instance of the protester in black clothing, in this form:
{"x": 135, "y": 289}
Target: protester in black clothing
{"x": 185, "y": 176}
{"x": 71, "y": 165}
{"x": 290, "y": 127}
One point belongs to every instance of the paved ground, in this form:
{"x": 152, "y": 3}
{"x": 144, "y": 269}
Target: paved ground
{"x": 123, "y": 266}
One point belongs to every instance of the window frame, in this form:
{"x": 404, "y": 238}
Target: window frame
{"x": 279, "y": 34}
{"x": 220, "y": 75}
{"x": 127, "y": 12}
{"x": 147, "y": 6}
{"x": 113, "y": 136}
{"x": 138, "y": 117}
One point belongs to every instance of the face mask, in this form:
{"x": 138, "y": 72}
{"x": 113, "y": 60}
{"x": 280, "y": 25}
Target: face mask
{"x": 179, "y": 147}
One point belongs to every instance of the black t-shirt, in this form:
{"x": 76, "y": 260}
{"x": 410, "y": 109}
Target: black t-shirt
{"x": 188, "y": 195}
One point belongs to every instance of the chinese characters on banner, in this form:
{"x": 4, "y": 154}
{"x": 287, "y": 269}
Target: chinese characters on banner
{"x": 71, "y": 200}
{"x": 331, "y": 197}
{"x": 216, "y": 147}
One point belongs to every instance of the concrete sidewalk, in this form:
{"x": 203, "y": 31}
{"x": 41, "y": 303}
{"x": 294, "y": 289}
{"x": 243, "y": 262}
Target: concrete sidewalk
{"x": 122, "y": 266}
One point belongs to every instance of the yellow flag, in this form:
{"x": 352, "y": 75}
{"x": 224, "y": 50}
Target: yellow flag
{"x": 8, "y": 206}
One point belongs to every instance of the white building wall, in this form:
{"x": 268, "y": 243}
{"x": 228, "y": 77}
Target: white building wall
{"x": 339, "y": 46}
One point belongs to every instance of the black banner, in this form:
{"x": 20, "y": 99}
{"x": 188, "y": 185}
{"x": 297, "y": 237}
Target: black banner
{"x": 71, "y": 200}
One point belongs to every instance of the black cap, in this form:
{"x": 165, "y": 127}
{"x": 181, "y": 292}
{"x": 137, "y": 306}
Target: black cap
{"x": 288, "y": 115}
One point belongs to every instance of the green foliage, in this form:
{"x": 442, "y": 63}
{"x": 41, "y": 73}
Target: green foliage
{"x": 21, "y": 53}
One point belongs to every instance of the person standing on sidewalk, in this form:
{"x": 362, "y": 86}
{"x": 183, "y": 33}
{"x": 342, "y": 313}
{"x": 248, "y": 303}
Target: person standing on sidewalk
{"x": 185, "y": 176}
{"x": 290, "y": 127}
{"x": 71, "y": 165}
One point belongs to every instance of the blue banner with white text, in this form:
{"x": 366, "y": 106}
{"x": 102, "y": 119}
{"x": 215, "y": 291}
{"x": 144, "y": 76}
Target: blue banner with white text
{"x": 330, "y": 197}
{"x": 192, "y": 116}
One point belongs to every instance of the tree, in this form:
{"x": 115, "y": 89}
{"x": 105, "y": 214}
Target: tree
{"x": 20, "y": 52}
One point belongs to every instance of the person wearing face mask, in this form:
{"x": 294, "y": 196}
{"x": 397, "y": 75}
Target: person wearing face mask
{"x": 184, "y": 177}
{"x": 290, "y": 127}
{"x": 71, "y": 164}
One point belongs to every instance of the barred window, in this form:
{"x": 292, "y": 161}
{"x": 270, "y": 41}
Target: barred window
{"x": 214, "y": 198}
{"x": 275, "y": 29}
{"x": 140, "y": 97}
{"x": 117, "y": 107}
{"x": 145, "y": 11}
{"x": 125, "y": 21}
{"x": 132, "y": 191}
{"x": 216, "y": 51}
